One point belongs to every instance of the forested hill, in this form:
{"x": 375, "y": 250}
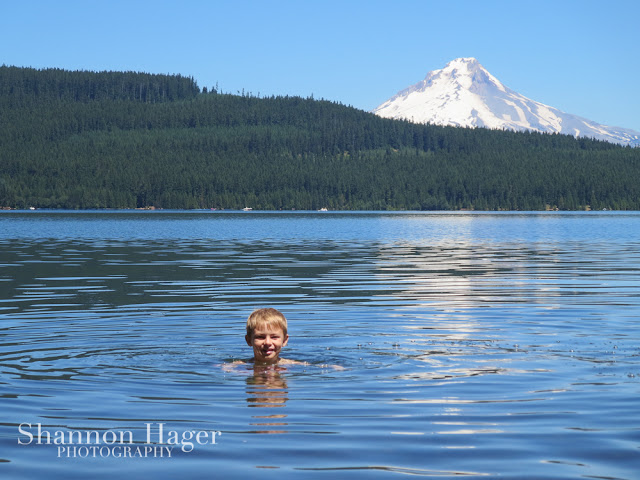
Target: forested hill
{"x": 127, "y": 140}
{"x": 22, "y": 86}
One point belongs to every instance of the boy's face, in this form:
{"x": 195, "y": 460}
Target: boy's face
{"x": 267, "y": 341}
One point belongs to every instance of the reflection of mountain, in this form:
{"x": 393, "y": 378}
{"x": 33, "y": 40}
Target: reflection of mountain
{"x": 462, "y": 276}
{"x": 267, "y": 388}
{"x": 431, "y": 276}
{"x": 455, "y": 306}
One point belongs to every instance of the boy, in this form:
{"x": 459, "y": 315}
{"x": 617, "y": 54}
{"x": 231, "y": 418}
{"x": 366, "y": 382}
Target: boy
{"x": 267, "y": 334}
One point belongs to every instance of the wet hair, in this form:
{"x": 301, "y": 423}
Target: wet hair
{"x": 266, "y": 316}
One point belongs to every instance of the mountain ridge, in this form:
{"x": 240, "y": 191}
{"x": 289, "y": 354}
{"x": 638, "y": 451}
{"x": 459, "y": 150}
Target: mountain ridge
{"x": 465, "y": 94}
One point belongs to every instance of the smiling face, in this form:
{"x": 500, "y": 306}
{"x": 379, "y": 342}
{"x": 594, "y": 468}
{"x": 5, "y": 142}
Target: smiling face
{"x": 267, "y": 341}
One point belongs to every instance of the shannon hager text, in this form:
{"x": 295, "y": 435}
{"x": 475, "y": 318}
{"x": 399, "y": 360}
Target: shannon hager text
{"x": 156, "y": 434}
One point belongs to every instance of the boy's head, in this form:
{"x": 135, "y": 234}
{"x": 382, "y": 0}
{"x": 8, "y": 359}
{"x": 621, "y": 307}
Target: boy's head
{"x": 266, "y": 334}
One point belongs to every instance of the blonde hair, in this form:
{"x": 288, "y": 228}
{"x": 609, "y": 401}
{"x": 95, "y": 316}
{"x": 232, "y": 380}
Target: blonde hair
{"x": 268, "y": 316}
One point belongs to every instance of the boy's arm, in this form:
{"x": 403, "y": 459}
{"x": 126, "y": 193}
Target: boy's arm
{"x": 286, "y": 361}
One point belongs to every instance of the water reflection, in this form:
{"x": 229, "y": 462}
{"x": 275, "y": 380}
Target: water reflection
{"x": 267, "y": 388}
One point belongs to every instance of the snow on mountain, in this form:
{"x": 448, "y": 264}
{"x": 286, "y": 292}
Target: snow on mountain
{"x": 465, "y": 94}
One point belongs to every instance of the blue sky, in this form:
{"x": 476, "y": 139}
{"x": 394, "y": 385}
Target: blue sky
{"x": 580, "y": 56}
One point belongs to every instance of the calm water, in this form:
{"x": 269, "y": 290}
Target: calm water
{"x": 476, "y": 345}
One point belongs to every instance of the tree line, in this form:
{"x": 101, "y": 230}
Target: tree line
{"x": 84, "y": 140}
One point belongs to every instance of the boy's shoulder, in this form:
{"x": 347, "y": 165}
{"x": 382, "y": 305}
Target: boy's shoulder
{"x": 281, "y": 361}
{"x": 250, "y": 363}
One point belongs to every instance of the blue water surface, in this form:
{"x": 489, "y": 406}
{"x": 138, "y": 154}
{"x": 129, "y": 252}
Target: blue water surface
{"x": 482, "y": 345}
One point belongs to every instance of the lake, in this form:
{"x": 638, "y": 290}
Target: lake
{"x": 476, "y": 345}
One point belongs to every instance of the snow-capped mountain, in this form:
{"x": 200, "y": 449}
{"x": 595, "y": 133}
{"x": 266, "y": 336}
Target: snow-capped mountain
{"x": 465, "y": 94}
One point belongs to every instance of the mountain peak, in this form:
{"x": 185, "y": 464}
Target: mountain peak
{"x": 461, "y": 67}
{"x": 468, "y": 62}
{"x": 465, "y": 94}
